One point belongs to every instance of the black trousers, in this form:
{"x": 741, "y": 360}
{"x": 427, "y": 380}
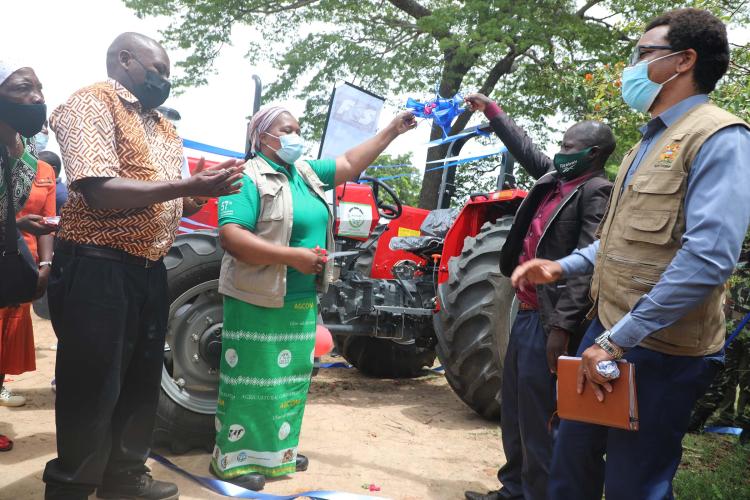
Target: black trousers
{"x": 110, "y": 319}
{"x": 528, "y": 404}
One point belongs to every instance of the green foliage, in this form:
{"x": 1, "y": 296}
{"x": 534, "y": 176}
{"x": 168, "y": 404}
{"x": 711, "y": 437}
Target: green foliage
{"x": 406, "y": 184}
{"x": 528, "y": 55}
{"x": 713, "y": 467}
{"x": 475, "y": 177}
{"x": 597, "y": 87}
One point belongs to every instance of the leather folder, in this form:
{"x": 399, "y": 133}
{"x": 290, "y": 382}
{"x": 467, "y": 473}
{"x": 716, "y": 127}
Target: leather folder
{"x": 619, "y": 408}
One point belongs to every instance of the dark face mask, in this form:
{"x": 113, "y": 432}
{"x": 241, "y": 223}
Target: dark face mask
{"x": 153, "y": 91}
{"x": 572, "y": 165}
{"x": 26, "y": 119}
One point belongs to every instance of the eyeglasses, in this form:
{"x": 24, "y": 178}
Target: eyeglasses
{"x": 640, "y": 50}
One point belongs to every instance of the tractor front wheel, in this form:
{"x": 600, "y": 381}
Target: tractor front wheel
{"x": 477, "y": 308}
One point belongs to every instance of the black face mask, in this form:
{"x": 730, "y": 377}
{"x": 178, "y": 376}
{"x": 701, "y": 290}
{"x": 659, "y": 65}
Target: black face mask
{"x": 26, "y": 119}
{"x": 153, "y": 91}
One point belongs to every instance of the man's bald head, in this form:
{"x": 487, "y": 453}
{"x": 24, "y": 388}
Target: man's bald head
{"x": 134, "y": 43}
{"x": 588, "y": 134}
{"x": 131, "y": 56}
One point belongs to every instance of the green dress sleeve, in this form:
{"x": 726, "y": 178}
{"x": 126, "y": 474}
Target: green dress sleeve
{"x": 325, "y": 170}
{"x": 241, "y": 208}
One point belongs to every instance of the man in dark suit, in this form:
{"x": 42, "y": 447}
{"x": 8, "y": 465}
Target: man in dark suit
{"x": 561, "y": 213}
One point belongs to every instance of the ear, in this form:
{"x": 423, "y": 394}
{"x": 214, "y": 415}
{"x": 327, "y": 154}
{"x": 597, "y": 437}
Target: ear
{"x": 595, "y": 153}
{"x": 124, "y": 57}
{"x": 686, "y": 61}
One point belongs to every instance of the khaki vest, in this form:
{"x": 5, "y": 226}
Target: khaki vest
{"x": 265, "y": 285}
{"x": 642, "y": 231}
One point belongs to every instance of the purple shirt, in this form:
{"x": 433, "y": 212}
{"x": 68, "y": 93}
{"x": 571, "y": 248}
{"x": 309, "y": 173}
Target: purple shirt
{"x": 538, "y": 224}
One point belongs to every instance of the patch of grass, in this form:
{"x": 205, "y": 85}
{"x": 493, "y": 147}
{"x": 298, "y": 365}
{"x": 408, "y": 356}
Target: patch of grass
{"x": 713, "y": 467}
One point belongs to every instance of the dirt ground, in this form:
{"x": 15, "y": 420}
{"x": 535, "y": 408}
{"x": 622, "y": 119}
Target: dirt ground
{"x": 414, "y": 439}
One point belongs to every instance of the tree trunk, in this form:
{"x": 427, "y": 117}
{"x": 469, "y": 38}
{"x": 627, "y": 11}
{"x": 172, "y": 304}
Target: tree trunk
{"x": 450, "y": 81}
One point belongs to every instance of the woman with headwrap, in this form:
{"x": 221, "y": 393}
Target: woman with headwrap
{"x": 22, "y": 115}
{"x": 276, "y": 233}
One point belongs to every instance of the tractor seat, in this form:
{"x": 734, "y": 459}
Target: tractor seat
{"x": 420, "y": 245}
{"x": 434, "y": 228}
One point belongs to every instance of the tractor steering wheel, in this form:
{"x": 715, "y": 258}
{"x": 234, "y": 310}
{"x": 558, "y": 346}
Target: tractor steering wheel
{"x": 386, "y": 210}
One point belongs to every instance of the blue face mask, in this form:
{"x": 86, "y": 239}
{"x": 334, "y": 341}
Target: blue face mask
{"x": 291, "y": 148}
{"x": 40, "y": 141}
{"x": 638, "y": 91}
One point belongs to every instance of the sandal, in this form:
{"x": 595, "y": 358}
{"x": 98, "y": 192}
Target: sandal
{"x": 5, "y": 443}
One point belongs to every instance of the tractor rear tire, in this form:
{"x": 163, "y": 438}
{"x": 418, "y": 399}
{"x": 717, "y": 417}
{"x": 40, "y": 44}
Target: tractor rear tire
{"x": 473, "y": 325}
{"x": 384, "y": 358}
{"x": 184, "y": 417}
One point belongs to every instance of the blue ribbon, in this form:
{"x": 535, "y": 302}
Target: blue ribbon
{"x": 199, "y": 146}
{"x": 442, "y": 111}
{"x": 737, "y": 330}
{"x": 234, "y": 491}
{"x": 734, "y": 431}
{"x": 453, "y": 138}
{"x": 447, "y": 165}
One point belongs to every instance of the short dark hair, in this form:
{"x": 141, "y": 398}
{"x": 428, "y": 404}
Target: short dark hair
{"x": 703, "y": 32}
{"x": 51, "y": 158}
{"x": 597, "y": 134}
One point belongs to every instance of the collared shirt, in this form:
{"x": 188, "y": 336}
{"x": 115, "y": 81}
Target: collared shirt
{"x": 103, "y": 132}
{"x": 544, "y": 213}
{"x": 717, "y": 213}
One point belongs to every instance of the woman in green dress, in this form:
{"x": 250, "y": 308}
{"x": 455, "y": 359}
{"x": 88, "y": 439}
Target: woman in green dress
{"x": 276, "y": 232}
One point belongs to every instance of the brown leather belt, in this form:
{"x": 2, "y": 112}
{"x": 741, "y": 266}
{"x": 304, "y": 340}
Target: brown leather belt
{"x": 523, "y": 306}
{"x": 99, "y": 252}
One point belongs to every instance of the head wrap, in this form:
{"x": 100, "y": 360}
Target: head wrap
{"x": 261, "y": 122}
{"x": 7, "y": 68}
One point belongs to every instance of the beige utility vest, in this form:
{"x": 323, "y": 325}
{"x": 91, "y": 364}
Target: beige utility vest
{"x": 265, "y": 285}
{"x": 642, "y": 231}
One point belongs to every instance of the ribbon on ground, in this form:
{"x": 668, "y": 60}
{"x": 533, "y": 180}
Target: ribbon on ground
{"x": 234, "y": 491}
{"x": 734, "y": 431}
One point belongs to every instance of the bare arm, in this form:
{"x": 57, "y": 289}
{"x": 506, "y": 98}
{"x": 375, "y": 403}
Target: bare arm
{"x": 351, "y": 164}
{"x": 123, "y": 193}
{"x": 251, "y": 249}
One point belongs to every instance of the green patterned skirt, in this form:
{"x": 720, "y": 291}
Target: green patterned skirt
{"x": 266, "y": 362}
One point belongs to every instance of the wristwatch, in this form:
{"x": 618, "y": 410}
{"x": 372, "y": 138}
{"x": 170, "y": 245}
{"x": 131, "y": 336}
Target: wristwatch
{"x": 45, "y": 263}
{"x": 612, "y": 349}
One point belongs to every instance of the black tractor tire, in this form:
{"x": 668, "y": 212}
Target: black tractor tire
{"x": 384, "y": 358}
{"x": 473, "y": 324}
{"x": 193, "y": 260}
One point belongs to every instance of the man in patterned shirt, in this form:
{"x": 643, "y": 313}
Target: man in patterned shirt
{"x": 108, "y": 287}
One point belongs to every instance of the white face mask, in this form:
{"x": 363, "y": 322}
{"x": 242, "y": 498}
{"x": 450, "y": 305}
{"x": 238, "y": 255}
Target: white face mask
{"x": 291, "y": 148}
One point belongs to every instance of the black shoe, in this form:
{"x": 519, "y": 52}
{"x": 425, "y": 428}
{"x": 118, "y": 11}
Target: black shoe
{"x": 302, "y": 463}
{"x": 473, "y": 495}
{"x": 254, "y": 481}
{"x": 138, "y": 486}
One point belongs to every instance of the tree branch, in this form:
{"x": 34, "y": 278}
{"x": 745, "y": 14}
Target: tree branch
{"x": 502, "y": 67}
{"x": 411, "y": 7}
{"x": 582, "y": 11}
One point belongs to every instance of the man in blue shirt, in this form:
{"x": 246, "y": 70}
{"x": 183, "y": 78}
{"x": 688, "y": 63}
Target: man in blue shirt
{"x": 666, "y": 247}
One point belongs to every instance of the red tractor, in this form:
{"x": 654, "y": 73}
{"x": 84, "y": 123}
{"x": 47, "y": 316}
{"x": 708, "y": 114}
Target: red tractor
{"x": 411, "y": 285}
